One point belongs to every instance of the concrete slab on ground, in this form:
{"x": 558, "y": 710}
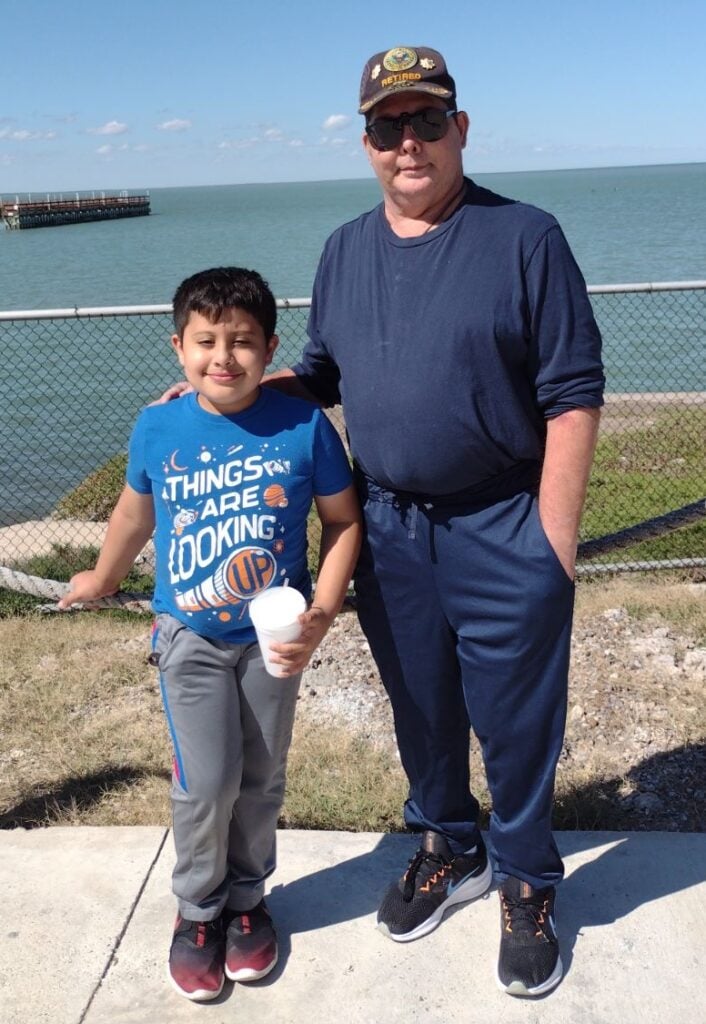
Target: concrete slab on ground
{"x": 67, "y": 895}
{"x": 630, "y": 917}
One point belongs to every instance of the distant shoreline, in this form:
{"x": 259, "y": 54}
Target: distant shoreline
{"x": 471, "y": 172}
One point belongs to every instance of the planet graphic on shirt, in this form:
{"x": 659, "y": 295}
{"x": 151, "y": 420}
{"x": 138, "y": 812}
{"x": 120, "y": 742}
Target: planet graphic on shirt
{"x": 275, "y": 497}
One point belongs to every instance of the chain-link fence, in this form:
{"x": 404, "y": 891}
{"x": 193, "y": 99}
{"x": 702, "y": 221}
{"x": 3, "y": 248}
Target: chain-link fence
{"x": 74, "y": 381}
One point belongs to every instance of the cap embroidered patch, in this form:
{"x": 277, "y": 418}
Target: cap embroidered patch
{"x": 400, "y": 59}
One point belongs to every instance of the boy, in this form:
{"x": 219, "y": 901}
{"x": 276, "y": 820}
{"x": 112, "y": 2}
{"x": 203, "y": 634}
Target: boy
{"x": 227, "y": 474}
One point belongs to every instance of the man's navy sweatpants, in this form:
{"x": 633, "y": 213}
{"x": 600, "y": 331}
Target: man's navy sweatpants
{"x": 468, "y": 613}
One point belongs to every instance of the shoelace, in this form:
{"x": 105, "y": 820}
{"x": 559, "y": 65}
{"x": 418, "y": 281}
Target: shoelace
{"x": 422, "y": 859}
{"x": 527, "y": 914}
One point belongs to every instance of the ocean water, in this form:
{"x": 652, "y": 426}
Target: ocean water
{"x": 624, "y": 224}
{"x": 70, "y": 390}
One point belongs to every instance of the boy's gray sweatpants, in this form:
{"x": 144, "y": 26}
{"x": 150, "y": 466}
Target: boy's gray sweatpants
{"x": 231, "y": 726}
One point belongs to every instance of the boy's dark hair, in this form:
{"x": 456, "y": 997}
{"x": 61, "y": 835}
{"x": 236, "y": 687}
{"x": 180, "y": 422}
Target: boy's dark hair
{"x": 210, "y": 292}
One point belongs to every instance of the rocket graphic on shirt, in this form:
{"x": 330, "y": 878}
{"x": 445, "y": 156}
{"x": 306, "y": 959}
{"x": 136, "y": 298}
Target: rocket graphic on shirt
{"x": 220, "y": 508}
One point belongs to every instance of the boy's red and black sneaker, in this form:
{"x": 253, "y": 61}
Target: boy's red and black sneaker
{"x": 529, "y": 963}
{"x": 196, "y": 959}
{"x": 251, "y": 943}
{"x": 435, "y": 880}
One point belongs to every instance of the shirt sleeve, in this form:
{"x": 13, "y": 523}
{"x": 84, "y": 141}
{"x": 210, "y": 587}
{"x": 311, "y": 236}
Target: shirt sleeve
{"x": 317, "y": 369}
{"x": 565, "y": 343}
{"x": 332, "y": 471}
{"x": 136, "y": 472}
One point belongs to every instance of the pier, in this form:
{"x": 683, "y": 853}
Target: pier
{"x": 18, "y": 214}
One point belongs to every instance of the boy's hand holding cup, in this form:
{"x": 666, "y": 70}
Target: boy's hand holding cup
{"x": 275, "y": 613}
{"x": 288, "y": 634}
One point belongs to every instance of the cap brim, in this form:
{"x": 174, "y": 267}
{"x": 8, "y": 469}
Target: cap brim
{"x": 427, "y": 87}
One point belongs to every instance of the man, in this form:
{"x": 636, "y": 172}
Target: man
{"x": 454, "y": 327}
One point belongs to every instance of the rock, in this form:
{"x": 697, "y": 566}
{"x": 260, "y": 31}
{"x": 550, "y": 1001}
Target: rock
{"x": 695, "y": 661}
{"x": 615, "y": 614}
{"x": 648, "y": 803}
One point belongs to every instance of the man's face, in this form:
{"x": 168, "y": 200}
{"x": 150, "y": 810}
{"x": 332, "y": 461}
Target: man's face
{"x": 415, "y": 169}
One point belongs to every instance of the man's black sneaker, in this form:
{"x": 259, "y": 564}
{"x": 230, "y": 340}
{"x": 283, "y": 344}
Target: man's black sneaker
{"x": 251, "y": 943}
{"x": 196, "y": 959}
{"x": 529, "y": 963}
{"x": 435, "y": 880}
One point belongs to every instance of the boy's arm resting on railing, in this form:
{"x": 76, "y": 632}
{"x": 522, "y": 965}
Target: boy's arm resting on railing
{"x": 130, "y": 527}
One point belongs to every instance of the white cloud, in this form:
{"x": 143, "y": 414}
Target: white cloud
{"x": 177, "y": 124}
{"x": 296, "y": 142}
{"x": 22, "y": 135}
{"x": 238, "y": 143}
{"x": 109, "y": 128}
{"x": 335, "y": 141}
{"x": 273, "y": 134}
{"x": 335, "y": 121}
{"x": 108, "y": 149}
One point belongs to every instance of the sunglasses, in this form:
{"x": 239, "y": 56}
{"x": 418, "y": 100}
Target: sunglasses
{"x": 428, "y": 125}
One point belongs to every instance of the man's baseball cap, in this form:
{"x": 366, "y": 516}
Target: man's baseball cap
{"x": 417, "y": 68}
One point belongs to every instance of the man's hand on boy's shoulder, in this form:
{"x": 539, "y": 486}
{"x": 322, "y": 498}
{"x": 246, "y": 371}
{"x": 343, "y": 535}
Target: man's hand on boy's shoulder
{"x": 295, "y": 656}
{"x": 182, "y": 387}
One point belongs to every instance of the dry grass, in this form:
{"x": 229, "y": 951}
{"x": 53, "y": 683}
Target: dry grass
{"x": 84, "y": 739}
{"x": 681, "y": 605}
{"x": 85, "y": 742}
{"x": 80, "y": 714}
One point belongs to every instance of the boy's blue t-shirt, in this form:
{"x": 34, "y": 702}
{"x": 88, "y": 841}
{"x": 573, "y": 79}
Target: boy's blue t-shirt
{"x": 231, "y": 496}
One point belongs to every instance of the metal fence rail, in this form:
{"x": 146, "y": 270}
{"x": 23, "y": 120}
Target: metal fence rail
{"x": 74, "y": 380}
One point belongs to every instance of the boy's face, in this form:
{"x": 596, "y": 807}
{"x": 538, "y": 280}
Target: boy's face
{"x": 224, "y": 362}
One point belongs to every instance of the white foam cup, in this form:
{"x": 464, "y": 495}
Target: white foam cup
{"x": 275, "y": 615}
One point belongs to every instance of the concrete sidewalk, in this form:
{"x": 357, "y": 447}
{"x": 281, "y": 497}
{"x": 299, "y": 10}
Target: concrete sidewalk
{"x": 88, "y": 913}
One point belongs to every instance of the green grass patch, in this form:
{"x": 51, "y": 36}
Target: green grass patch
{"x": 646, "y": 472}
{"x": 61, "y": 563}
{"x": 95, "y": 497}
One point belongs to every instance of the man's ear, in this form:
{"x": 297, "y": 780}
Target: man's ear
{"x": 367, "y": 145}
{"x": 463, "y": 123}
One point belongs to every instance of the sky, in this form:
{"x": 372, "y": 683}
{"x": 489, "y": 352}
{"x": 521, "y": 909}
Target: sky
{"x": 154, "y": 93}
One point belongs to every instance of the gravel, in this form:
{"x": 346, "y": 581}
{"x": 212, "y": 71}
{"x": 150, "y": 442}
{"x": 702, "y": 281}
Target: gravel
{"x": 634, "y": 755}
